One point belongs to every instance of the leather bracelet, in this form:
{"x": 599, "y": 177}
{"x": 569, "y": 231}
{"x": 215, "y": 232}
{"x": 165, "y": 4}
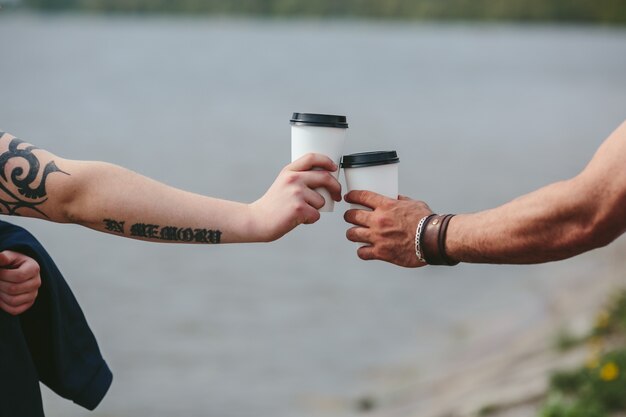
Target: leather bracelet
{"x": 442, "y": 240}
{"x": 433, "y": 240}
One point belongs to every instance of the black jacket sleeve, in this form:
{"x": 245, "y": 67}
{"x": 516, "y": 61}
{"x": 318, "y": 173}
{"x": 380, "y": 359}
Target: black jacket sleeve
{"x": 60, "y": 345}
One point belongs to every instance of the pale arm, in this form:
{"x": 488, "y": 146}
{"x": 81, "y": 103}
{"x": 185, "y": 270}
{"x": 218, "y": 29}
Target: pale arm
{"x": 112, "y": 199}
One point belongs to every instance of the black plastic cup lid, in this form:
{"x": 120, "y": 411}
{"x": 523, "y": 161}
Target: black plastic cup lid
{"x": 369, "y": 159}
{"x": 324, "y": 120}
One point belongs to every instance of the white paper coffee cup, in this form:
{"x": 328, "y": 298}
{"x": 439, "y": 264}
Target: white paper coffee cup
{"x": 372, "y": 171}
{"x": 319, "y": 133}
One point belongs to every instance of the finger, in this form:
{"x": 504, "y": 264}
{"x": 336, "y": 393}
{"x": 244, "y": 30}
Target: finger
{"x": 15, "y": 310}
{"x": 12, "y": 288}
{"x": 366, "y": 253}
{"x": 358, "y": 217}
{"x": 7, "y": 258}
{"x": 24, "y": 272}
{"x": 313, "y": 160}
{"x": 313, "y": 198}
{"x": 322, "y": 179}
{"x": 365, "y": 198}
{"x": 404, "y": 198}
{"x": 311, "y": 216}
{"x": 19, "y": 300}
{"x": 9, "y": 309}
{"x": 359, "y": 234}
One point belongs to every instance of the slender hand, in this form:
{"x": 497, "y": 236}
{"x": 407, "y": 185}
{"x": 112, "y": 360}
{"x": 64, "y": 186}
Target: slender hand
{"x": 19, "y": 282}
{"x": 291, "y": 200}
{"x": 555, "y": 222}
{"x": 108, "y": 198}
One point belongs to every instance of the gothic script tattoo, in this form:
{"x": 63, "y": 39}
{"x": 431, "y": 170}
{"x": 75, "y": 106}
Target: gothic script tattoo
{"x": 166, "y": 233}
{"x": 113, "y": 226}
{"x": 29, "y": 195}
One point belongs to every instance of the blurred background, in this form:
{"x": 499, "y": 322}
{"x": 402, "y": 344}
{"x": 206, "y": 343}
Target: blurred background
{"x": 483, "y": 101}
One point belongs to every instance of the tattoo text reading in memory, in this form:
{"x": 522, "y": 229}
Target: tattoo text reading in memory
{"x": 167, "y": 233}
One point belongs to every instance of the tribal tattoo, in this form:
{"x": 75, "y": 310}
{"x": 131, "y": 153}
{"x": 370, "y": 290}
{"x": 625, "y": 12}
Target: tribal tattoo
{"x": 29, "y": 195}
{"x": 165, "y": 233}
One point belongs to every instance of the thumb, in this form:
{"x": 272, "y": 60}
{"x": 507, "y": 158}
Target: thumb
{"x": 7, "y": 258}
{"x": 404, "y": 198}
{"x": 365, "y": 198}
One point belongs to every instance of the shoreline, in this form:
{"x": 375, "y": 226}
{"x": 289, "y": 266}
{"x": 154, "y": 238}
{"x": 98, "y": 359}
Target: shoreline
{"x": 511, "y": 379}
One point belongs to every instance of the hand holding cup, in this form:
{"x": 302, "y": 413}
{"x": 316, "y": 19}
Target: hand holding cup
{"x": 319, "y": 133}
{"x": 292, "y": 199}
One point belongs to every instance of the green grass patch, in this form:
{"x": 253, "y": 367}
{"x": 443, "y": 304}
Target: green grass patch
{"x": 597, "y": 389}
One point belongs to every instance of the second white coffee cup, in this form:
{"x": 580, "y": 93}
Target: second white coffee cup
{"x": 372, "y": 171}
{"x": 319, "y": 133}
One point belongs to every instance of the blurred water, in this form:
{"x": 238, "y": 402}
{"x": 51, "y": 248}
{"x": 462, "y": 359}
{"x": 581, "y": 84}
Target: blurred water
{"x": 478, "y": 114}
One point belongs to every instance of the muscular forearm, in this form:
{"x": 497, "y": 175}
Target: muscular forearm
{"x": 555, "y": 222}
{"x": 546, "y": 225}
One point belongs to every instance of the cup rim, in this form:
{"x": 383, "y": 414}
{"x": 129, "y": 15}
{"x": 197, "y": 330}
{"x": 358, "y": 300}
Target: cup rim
{"x": 321, "y": 120}
{"x": 369, "y": 159}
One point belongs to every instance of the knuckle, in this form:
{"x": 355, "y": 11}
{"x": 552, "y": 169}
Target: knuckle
{"x": 297, "y": 193}
{"x": 13, "y": 289}
{"x": 332, "y": 184}
{"x": 309, "y": 159}
{"x": 31, "y": 298}
{"x": 382, "y": 222}
{"x": 383, "y": 252}
{"x": 34, "y": 269}
{"x": 22, "y": 274}
{"x": 377, "y": 253}
{"x": 292, "y": 177}
{"x": 387, "y": 204}
{"x": 299, "y": 208}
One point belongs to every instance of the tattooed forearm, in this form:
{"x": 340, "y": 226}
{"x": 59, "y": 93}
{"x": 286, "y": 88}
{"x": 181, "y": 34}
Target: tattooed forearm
{"x": 166, "y": 233}
{"x": 19, "y": 188}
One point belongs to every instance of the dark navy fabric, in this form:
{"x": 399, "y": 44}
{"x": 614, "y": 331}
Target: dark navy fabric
{"x": 51, "y": 342}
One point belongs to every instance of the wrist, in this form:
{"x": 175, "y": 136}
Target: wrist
{"x": 252, "y": 224}
{"x": 258, "y": 224}
{"x": 431, "y": 240}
